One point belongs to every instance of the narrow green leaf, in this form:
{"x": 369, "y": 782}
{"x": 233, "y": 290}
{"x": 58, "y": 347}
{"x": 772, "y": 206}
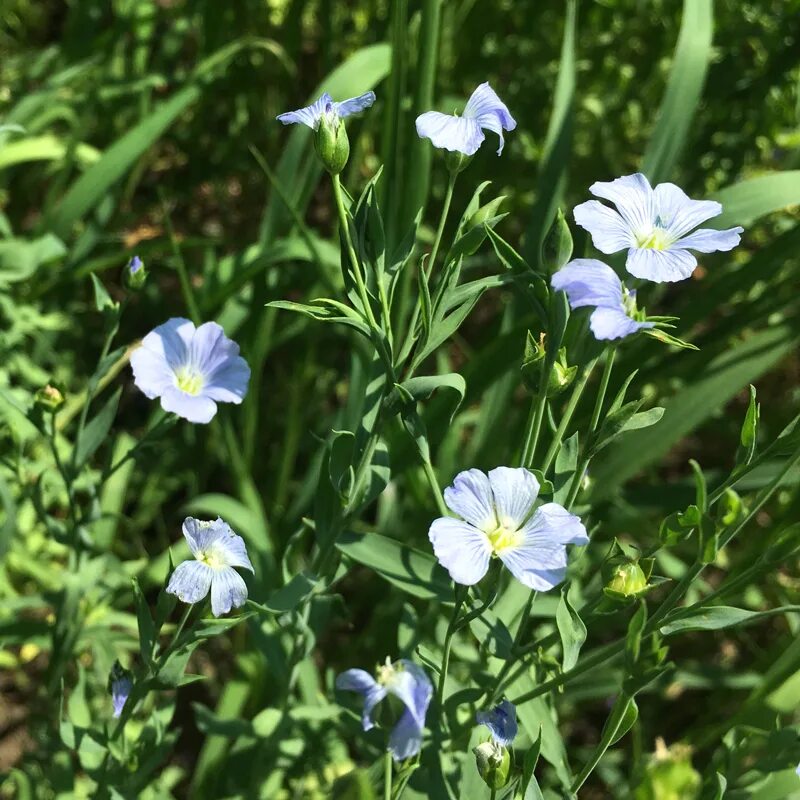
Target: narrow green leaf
{"x": 684, "y": 88}
{"x": 571, "y": 629}
{"x": 96, "y": 432}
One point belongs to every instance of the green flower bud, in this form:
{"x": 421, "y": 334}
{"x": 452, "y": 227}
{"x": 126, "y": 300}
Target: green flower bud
{"x": 669, "y": 775}
{"x": 484, "y": 213}
{"x": 331, "y": 142}
{"x": 49, "y": 398}
{"x": 628, "y": 580}
{"x": 134, "y": 274}
{"x": 456, "y": 162}
{"x": 493, "y": 763}
{"x": 561, "y": 375}
{"x": 557, "y": 244}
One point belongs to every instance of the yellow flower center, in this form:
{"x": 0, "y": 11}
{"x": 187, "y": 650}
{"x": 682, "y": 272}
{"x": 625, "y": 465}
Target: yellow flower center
{"x": 503, "y": 537}
{"x": 189, "y": 381}
{"x": 210, "y": 558}
{"x": 386, "y": 673}
{"x": 655, "y": 239}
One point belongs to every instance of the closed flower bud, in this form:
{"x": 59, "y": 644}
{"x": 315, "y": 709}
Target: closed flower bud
{"x": 331, "y": 142}
{"x": 49, "y": 398}
{"x": 557, "y": 244}
{"x": 628, "y": 580}
{"x": 493, "y": 763}
{"x": 134, "y": 274}
{"x": 561, "y": 375}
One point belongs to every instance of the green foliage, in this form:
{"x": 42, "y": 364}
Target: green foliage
{"x": 148, "y": 128}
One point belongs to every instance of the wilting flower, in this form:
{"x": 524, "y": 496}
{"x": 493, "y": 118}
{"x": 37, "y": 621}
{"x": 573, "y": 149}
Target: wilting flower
{"x": 498, "y": 519}
{"x": 190, "y": 369}
{"x": 589, "y": 282}
{"x": 464, "y": 134}
{"x": 654, "y": 225}
{"x": 408, "y": 683}
{"x": 120, "y": 686}
{"x": 216, "y": 550}
{"x": 501, "y": 721}
{"x": 325, "y": 106}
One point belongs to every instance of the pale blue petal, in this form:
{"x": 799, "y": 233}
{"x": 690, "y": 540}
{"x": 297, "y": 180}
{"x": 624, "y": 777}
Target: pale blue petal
{"x": 310, "y": 115}
{"x": 540, "y": 561}
{"x": 484, "y": 102}
{"x": 452, "y": 133}
{"x": 190, "y": 582}
{"x": 471, "y": 498}
{"x": 633, "y": 197}
{"x": 490, "y": 112}
{"x": 613, "y": 323}
{"x": 219, "y": 537}
{"x": 552, "y": 522}
{"x": 515, "y": 490}
{"x": 501, "y": 721}
{"x": 706, "y": 240}
{"x": 461, "y": 549}
{"x": 120, "y": 692}
{"x": 610, "y": 233}
{"x": 660, "y": 266}
{"x": 161, "y": 352}
{"x": 678, "y": 213}
{"x": 414, "y": 688}
{"x": 216, "y": 357}
{"x": 195, "y": 408}
{"x": 358, "y": 680}
{"x": 355, "y": 104}
{"x": 151, "y": 372}
{"x": 589, "y": 282}
{"x": 405, "y": 739}
{"x": 228, "y": 590}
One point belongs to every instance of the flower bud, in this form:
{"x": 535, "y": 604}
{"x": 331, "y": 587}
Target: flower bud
{"x": 669, "y": 773}
{"x": 557, "y": 244}
{"x": 49, "y": 398}
{"x": 331, "y": 142}
{"x": 628, "y": 580}
{"x": 134, "y": 274}
{"x": 561, "y": 374}
{"x": 120, "y": 685}
{"x": 493, "y": 763}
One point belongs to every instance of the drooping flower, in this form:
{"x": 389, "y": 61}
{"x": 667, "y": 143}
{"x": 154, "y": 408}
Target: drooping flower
{"x": 498, "y": 519}
{"x": 464, "y": 134}
{"x": 120, "y": 686}
{"x": 216, "y": 550}
{"x": 190, "y": 369}
{"x": 501, "y": 721}
{"x": 325, "y": 106}
{"x": 589, "y": 282}
{"x": 406, "y": 681}
{"x": 654, "y": 225}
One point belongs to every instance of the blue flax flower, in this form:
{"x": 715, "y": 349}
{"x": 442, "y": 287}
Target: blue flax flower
{"x": 325, "y": 106}
{"x": 654, "y": 225}
{"x": 484, "y": 111}
{"x": 120, "y": 686}
{"x": 135, "y": 264}
{"x": 498, "y": 519}
{"x": 589, "y": 282}
{"x": 501, "y": 721}
{"x": 216, "y": 550}
{"x": 190, "y": 369}
{"x": 408, "y": 683}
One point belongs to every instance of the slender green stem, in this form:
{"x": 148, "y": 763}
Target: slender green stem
{"x": 493, "y": 794}
{"x": 412, "y": 327}
{"x": 448, "y": 199}
{"x": 358, "y": 276}
{"x": 535, "y": 417}
{"x": 435, "y": 488}
{"x": 180, "y": 267}
{"x": 552, "y": 451}
{"x": 506, "y": 668}
{"x": 387, "y": 775}
{"x": 448, "y": 643}
{"x": 598, "y": 408}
